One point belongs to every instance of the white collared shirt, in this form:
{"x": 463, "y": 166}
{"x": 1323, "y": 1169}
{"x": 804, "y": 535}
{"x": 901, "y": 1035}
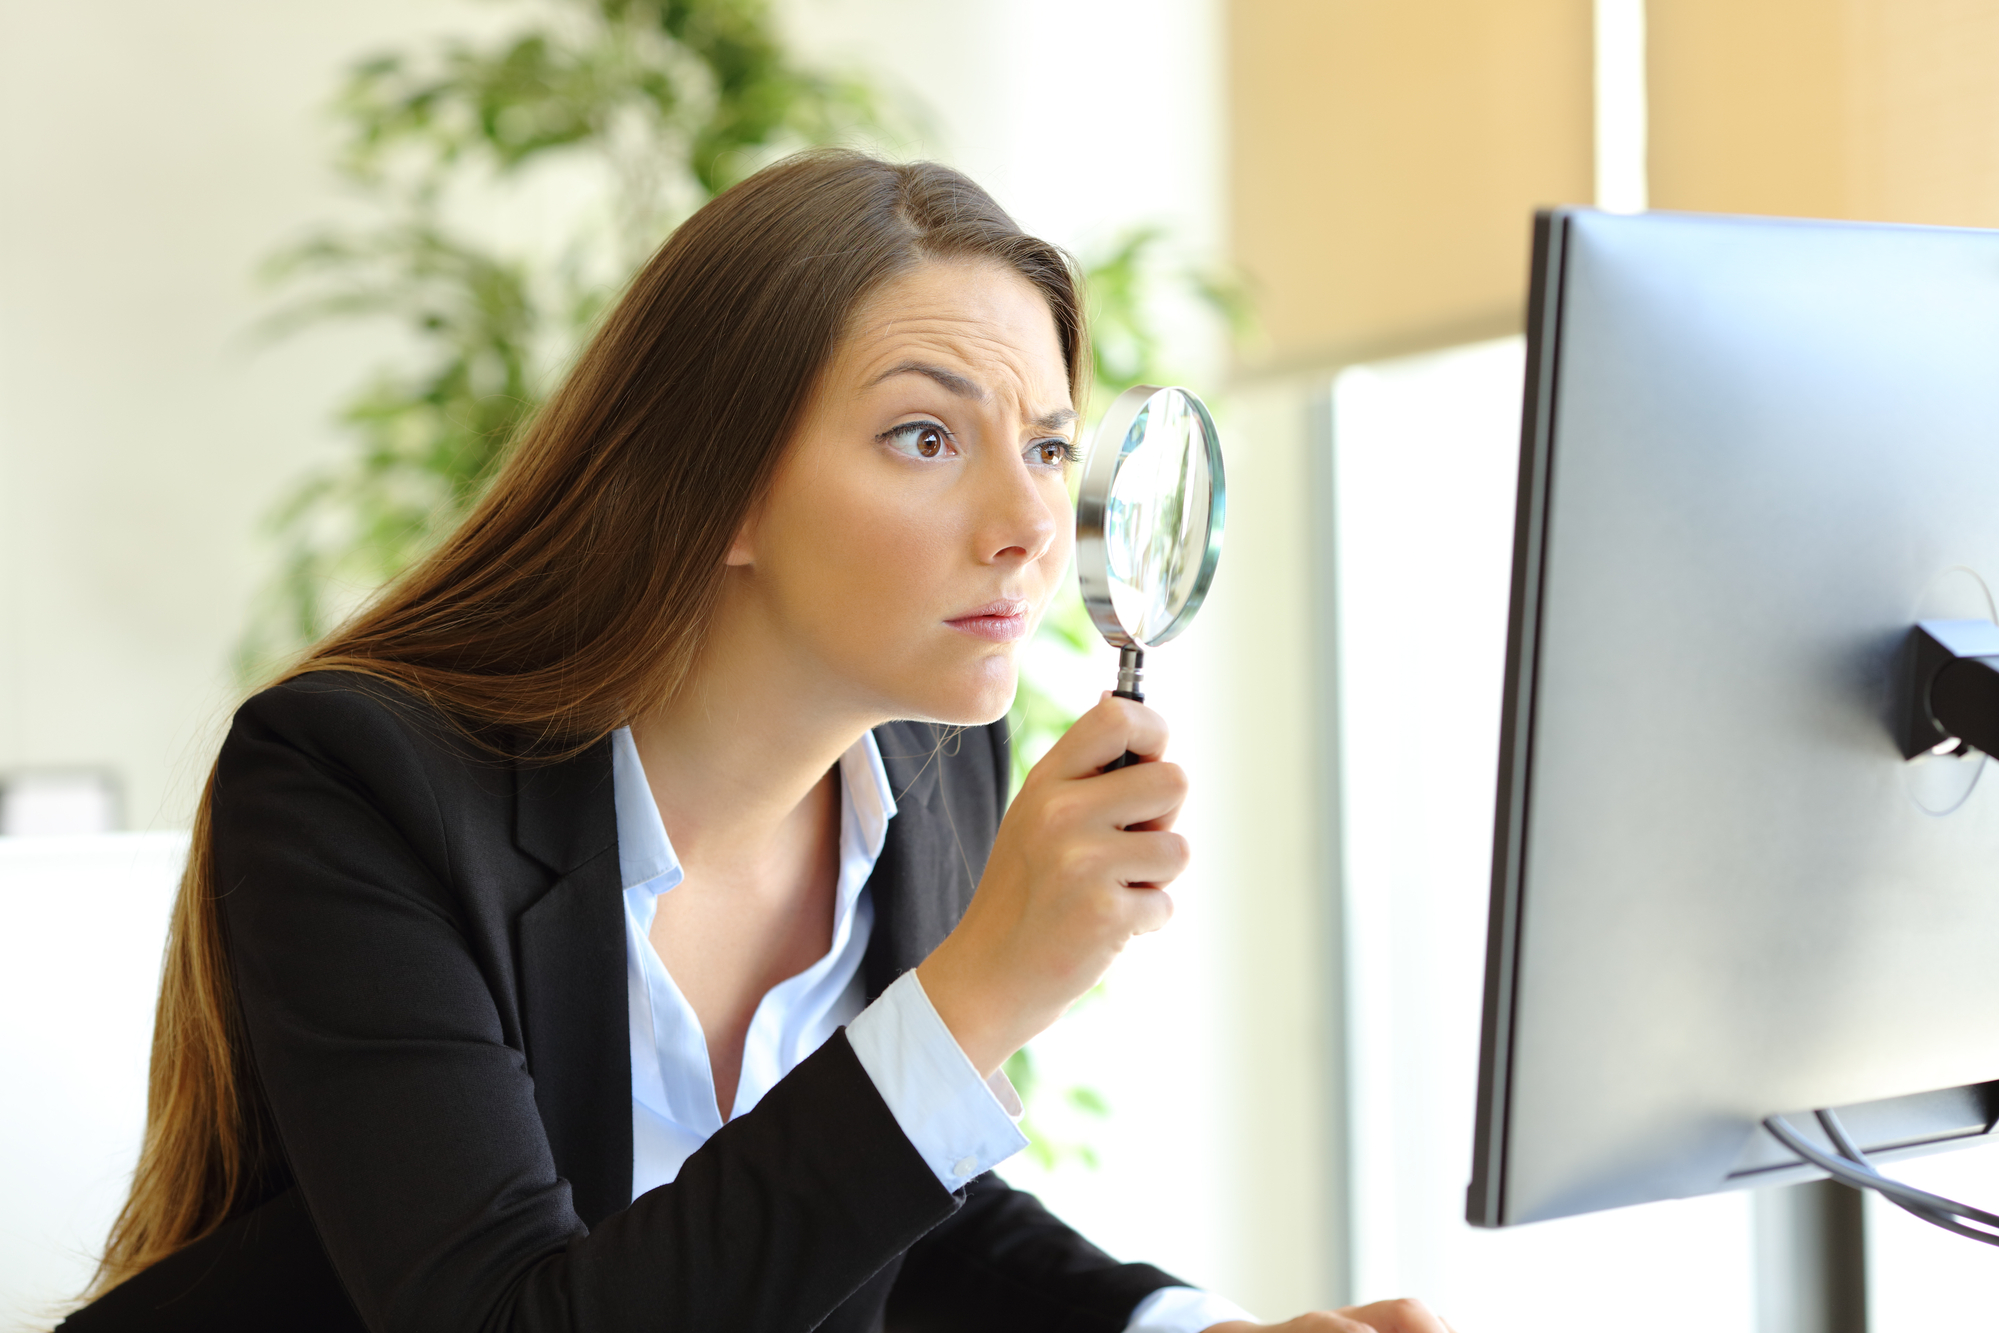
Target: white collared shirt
{"x": 962, "y": 1125}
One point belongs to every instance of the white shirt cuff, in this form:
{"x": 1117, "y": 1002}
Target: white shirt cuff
{"x": 962, "y": 1125}
{"x": 1183, "y": 1310}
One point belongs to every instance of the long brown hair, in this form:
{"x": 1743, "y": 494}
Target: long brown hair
{"x": 577, "y": 593}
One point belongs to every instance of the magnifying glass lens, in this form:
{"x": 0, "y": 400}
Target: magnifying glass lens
{"x": 1156, "y": 517}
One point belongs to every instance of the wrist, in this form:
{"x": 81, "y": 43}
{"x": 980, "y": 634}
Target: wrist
{"x": 965, "y": 1012}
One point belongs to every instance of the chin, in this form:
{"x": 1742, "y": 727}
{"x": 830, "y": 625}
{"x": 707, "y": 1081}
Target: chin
{"x": 967, "y": 715}
{"x": 977, "y": 703}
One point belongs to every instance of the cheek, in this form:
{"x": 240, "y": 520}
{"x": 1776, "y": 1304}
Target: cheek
{"x": 1064, "y": 545}
{"x": 861, "y": 557}
{"x": 865, "y": 567}
{"x": 1054, "y": 565}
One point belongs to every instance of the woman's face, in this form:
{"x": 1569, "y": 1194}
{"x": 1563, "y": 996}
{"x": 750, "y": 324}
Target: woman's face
{"x": 920, "y": 520}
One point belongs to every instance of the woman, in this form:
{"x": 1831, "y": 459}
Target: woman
{"x": 578, "y": 939}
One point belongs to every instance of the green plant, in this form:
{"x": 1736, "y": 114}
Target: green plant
{"x": 639, "y": 109}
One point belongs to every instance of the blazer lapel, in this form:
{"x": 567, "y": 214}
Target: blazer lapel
{"x": 572, "y": 975}
{"x": 563, "y": 812}
{"x": 927, "y": 870}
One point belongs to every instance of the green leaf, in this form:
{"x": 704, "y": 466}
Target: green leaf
{"x": 1089, "y": 1100}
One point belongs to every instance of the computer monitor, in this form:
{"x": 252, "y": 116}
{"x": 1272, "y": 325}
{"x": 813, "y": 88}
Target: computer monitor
{"x": 1755, "y": 453}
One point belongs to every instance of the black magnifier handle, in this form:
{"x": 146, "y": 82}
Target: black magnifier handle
{"x": 1130, "y": 675}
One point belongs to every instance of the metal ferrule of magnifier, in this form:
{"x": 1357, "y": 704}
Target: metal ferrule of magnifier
{"x": 1131, "y": 674}
{"x": 1954, "y": 688}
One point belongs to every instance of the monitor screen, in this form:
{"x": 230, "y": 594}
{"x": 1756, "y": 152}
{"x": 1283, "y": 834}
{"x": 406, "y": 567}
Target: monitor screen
{"x": 1755, "y": 452}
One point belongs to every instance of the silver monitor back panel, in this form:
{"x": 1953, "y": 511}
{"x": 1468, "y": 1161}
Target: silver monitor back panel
{"x": 1754, "y": 453}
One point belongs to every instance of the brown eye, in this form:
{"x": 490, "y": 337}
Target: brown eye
{"x": 1052, "y": 453}
{"x": 919, "y": 439}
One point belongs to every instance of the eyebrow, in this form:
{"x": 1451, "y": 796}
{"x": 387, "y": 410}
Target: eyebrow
{"x": 950, "y": 379}
{"x": 965, "y": 388}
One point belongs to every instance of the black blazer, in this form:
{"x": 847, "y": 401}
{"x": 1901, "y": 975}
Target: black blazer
{"x": 429, "y": 950}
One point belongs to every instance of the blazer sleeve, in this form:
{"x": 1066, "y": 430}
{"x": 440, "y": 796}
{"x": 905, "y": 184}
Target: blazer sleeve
{"x": 1004, "y": 1263}
{"x": 407, "y": 1115}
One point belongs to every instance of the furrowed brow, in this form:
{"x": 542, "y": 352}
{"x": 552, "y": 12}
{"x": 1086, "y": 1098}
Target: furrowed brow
{"x": 950, "y": 379}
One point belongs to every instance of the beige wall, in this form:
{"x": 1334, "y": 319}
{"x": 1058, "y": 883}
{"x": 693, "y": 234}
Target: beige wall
{"x": 1386, "y": 161}
{"x": 1876, "y": 109}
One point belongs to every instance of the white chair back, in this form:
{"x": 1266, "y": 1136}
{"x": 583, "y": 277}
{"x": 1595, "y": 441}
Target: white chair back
{"x": 83, "y": 922}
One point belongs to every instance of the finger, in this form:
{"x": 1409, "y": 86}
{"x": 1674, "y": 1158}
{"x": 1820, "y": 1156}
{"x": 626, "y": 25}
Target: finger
{"x": 1103, "y": 734}
{"x": 1147, "y": 909}
{"x": 1398, "y": 1316}
{"x": 1128, "y": 797}
{"x": 1142, "y": 860}
{"x": 1161, "y": 824}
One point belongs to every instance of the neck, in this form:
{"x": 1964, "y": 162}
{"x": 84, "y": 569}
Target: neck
{"x": 733, "y": 756}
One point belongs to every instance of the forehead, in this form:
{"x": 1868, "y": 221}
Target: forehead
{"x": 976, "y": 315}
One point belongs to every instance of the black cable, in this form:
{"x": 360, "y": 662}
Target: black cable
{"x": 1854, "y": 1169}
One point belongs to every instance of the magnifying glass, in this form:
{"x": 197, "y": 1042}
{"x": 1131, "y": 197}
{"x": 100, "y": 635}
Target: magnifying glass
{"x": 1148, "y": 524}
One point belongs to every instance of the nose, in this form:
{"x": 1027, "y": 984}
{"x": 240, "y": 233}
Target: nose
{"x": 1020, "y": 514}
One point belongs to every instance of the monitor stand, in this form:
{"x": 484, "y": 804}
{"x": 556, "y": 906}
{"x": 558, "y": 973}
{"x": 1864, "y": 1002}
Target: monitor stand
{"x": 1811, "y": 1259}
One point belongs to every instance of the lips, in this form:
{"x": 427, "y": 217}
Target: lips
{"x": 1002, "y": 620}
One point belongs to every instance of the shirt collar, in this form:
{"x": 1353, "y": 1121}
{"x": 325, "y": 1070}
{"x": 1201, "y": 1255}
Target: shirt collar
{"x": 869, "y": 800}
{"x": 647, "y": 865}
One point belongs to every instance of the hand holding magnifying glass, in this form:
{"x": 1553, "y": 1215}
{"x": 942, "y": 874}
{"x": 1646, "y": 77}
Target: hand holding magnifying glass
{"x": 1148, "y": 524}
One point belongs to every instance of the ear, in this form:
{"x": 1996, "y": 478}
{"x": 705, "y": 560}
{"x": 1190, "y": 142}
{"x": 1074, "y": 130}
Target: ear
{"x": 743, "y": 547}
